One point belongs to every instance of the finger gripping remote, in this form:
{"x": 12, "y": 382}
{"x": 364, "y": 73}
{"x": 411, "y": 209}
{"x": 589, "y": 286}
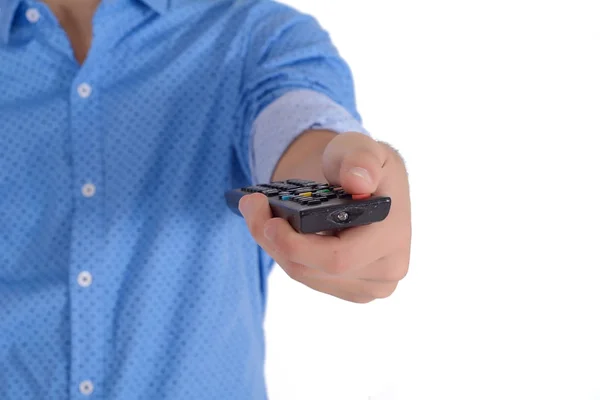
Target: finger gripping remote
{"x": 312, "y": 207}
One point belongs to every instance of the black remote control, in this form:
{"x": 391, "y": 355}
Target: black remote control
{"x": 312, "y": 207}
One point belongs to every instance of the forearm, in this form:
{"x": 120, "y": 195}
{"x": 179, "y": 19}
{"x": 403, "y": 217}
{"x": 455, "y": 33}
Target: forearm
{"x": 303, "y": 158}
{"x": 289, "y": 136}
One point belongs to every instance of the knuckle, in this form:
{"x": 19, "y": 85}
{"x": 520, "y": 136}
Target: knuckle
{"x": 295, "y": 271}
{"x": 395, "y": 272}
{"x": 359, "y": 299}
{"x": 403, "y": 272}
{"x": 394, "y": 269}
{"x": 383, "y": 291}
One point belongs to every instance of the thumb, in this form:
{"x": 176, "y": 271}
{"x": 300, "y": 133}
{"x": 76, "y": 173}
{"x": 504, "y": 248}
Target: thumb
{"x": 354, "y": 161}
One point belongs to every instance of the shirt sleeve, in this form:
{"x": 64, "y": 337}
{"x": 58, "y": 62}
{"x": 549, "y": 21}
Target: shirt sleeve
{"x": 294, "y": 80}
{"x": 285, "y": 119}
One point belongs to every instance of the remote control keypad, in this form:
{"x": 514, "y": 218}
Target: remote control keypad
{"x": 303, "y": 191}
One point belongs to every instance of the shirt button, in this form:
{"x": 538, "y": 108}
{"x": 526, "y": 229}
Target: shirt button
{"x": 88, "y": 190}
{"x": 84, "y": 90}
{"x": 86, "y": 387}
{"x": 32, "y": 15}
{"x": 84, "y": 279}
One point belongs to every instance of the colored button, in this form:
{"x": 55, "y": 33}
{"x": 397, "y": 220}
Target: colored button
{"x": 305, "y": 194}
{"x": 302, "y": 190}
{"x": 360, "y": 196}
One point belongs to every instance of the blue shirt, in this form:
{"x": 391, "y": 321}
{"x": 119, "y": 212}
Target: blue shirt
{"x": 123, "y": 275}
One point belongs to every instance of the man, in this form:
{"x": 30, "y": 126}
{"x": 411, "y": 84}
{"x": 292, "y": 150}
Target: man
{"x": 123, "y": 274}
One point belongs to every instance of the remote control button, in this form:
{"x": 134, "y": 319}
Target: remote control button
{"x": 305, "y": 194}
{"x": 259, "y": 189}
{"x": 281, "y": 186}
{"x": 326, "y": 194}
{"x": 329, "y": 195}
{"x": 360, "y": 196}
{"x": 302, "y": 190}
{"x": 313, "y": 202}
{"x": 344, "y": 195}
{"x": 321, "y": 187}
{"x": 285, "y": 197}
{"x": 302, "y": 182}
{"x": 338, "y": 189}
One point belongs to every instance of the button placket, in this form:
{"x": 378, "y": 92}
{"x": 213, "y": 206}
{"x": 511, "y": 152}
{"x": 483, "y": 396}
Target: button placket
{"x": 86, "y": 307}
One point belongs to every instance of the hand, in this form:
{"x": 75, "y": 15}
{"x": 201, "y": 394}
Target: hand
{"x": 359, "y": 264}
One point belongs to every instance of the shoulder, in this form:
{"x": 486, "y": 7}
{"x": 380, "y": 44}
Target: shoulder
{"x": 259, "y": 18}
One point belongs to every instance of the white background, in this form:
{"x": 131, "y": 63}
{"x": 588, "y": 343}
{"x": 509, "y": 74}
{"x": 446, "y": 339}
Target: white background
{"x": 495, "y": 106}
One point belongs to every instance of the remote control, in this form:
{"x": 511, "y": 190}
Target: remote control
{"x": 312, "y": 207}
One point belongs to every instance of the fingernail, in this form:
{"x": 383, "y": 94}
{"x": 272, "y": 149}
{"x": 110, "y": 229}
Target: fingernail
{"x": 270, "y": 231}
{"x": 245, "y": 206}
{"x": 361, "y": 173}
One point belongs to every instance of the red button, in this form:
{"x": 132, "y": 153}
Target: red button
{"x": 360, "y": 196}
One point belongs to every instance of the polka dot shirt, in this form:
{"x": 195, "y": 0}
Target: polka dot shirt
{"x": 123, "y": 274}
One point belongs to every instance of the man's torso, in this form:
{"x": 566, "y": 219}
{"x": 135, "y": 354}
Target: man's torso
{"x": 119, "y": 261}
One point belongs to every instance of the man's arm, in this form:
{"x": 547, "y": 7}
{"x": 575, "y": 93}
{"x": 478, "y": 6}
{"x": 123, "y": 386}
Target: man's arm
{"x": 303, "y": 158}
{"x": 360, "y": 264}
{"x": 300, "y": 120}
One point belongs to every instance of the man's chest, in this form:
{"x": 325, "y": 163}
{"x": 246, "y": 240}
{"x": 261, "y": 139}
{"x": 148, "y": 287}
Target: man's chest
{"x": 146, "y": 117}
{"x": 144, "y": 76}
{"x": 128, "y": 104}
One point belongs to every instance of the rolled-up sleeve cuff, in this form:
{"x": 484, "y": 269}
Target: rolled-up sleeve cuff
{"x": 292, "y": 114}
